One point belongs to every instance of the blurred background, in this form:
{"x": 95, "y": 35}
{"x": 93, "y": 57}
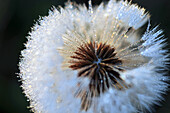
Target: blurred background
{"x": 16, "y": 19}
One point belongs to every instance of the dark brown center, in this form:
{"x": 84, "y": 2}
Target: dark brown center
{"x": 100, "y": 65}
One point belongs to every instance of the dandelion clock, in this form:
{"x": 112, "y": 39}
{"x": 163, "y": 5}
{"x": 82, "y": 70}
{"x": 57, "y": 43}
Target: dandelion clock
{"x": 82, "y": 59}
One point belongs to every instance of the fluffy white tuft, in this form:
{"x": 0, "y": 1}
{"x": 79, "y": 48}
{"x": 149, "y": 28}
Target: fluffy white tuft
{"x": 51, "y": 88}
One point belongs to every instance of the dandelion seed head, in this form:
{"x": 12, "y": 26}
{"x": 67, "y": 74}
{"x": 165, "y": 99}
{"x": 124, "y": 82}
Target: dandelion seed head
{"x": 93, "y": 60}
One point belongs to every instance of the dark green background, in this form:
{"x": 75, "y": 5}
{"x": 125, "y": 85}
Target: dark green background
{"x": 16, "y": 18}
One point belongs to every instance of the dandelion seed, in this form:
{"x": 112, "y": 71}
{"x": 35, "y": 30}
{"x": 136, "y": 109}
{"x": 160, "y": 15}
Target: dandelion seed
{"x": 92, "y": 60}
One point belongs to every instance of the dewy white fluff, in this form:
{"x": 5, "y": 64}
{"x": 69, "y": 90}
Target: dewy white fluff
{"x": 49, "y": 83}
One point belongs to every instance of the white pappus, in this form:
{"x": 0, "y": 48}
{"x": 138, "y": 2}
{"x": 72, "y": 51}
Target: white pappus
{"x": 93, "y": 60}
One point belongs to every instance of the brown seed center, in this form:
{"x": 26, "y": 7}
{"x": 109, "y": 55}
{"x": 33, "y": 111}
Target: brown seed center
{"x": 100, "y": 65}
